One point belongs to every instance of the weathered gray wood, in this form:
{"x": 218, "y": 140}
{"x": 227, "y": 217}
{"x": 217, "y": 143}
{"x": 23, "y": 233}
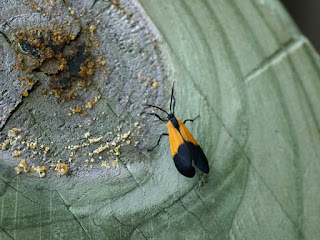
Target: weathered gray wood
{"x": 241, "y": 65}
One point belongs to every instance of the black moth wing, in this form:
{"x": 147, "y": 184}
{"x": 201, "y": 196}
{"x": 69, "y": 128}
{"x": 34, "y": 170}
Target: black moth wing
{"x": 198, "y": 157}
{"x": 183, "y": 161}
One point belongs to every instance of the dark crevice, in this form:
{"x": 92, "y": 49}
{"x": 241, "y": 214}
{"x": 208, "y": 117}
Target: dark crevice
{"x": 75, "y": 218}
{"x": 35, "y": 86}
{"x": 8, "y": 235}
{"x": 22, "y": 194}
{"x": 132, "y": 175}
{"x": 204, "y": 204}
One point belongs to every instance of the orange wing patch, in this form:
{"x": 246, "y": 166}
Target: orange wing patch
{"x": 185, "y": 133}
{"x": 175, "y": 139}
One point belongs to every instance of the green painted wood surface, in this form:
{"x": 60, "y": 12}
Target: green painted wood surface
{"x": 254, "y": 80}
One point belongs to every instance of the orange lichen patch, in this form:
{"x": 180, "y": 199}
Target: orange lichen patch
{"x": 19, "y": 58}
{"x": 61, "y": 169}
{"x": 71, "y": 95}
{"x": 102, "y": 63}
{"x": 35, "y": 6}
{"x": 25, "y": 93}
{"x": 45, "y": 52}
{"x": 77, "y": 109}
{"x": 115, "y": 3}
{"x": 18, "y": 66}
{"x": 26, "y": 80}
{"x": 87, "y": 69}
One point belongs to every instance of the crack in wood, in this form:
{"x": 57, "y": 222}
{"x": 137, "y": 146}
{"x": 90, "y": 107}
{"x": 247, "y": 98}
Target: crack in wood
{"x": 8, "y": 235}
{"x": 289, "y": 47}
{"x": 74, "y": 216}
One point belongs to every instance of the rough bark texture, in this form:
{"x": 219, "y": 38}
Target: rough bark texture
{"x": 74, "y": 76}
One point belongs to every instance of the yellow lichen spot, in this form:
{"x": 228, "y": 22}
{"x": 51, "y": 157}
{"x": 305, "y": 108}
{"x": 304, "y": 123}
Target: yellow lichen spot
{"x": 115, "y": 163}
{"x": 71, "y": 11}
{"x": 87, "y": 134}
{"x": 117, "y": 150}
{"x": 126, "y": 135}
{"x": 155, "y": 84}
{"x": 33, "y": 145}
{"x": 53, "y": 165}
{"x": 18, "y": 170}
{"x": 46, "y": 149}
{"x": 76, "y": 110}
{"x": 42, "y": 171}
{"x": 74, "y": 147}
{"x": 3, "y": 146}
{"x": 92, "y": 28}
{"x": 89, "y": 105}
{"x": 94, "y": 140}
{"x": 90, "y": 64}
{"x": 105, "y": 164}
{"x": 13, "y": 132}
{"x": 101, "y": 148}
{"x": 24, "y": 165}
{"x": 16, "y": 153}
{"x": 92, "y": 160}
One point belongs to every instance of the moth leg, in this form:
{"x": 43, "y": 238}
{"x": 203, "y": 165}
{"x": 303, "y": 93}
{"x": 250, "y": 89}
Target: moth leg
{"x": 190, "y": 120}
{"x": 154, "y": 114}
{"x": 163, "y": 134}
